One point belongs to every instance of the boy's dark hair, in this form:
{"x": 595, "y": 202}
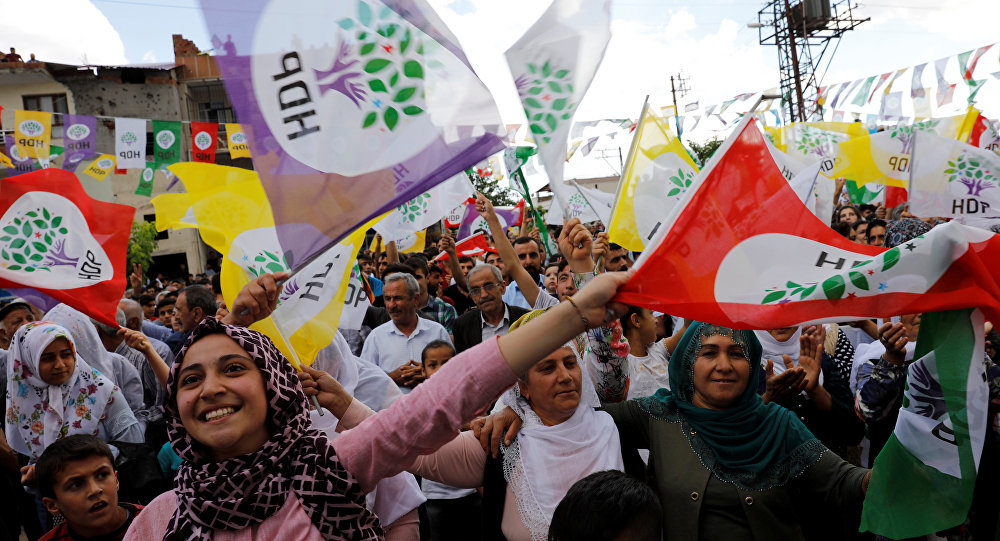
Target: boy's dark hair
{"x": 393, "y": 268}
{"x": 607, "y": 505}
{"x": 146, "y": 299}
{"x": 65, "y": 450}
{"x": 168, "y": 300}
{"x": 842, "y": 228}
{"x": 364, "y": 257}
{"x": 418, "y": 263}
{"x": 431, "y": 269}
{"x": 466, "y": 259}
{"x": 626, "y": 319}
{"x": 436, "y": 344}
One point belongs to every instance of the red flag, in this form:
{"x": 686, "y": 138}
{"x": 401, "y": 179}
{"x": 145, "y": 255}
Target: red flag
{"x": 722, "y": 258}
{"x": 204, "y": 137}
{"x": 56, "y": 239}
{"x": 473, "y": 246}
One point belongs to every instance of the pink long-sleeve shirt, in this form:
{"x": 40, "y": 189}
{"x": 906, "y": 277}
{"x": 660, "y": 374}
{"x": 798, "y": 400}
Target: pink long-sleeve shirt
{"x": 380, "y": 446}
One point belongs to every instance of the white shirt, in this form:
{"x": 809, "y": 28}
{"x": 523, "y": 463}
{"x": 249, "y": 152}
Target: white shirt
{"x": 500, "y": 329}
{"x": 388, "y": 348}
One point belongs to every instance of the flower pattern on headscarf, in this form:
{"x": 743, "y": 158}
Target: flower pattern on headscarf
{"x": 240, "y": 492}
{"x": 39, "y": 413}
{"x": 752, "y": 445}
{"x": 903, "y": 230}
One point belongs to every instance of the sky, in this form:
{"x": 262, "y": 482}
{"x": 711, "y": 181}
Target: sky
{"x": 708, "y": 41}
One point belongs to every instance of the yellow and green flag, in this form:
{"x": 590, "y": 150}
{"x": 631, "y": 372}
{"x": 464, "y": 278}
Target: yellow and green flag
{"x": 234, "y": 216}
{"x": 238, "y": 145}
{"x": 658, "y": 172}
{"x": 33, "y": 133}
{"x": 885, "y": 157}
{"x": 101, "y": 167}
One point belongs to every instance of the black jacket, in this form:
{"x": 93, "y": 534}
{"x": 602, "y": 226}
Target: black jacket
{"x": 468, "y": 328}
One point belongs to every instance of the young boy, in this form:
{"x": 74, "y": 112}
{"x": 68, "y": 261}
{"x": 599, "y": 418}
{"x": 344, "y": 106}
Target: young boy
{"x": 77, "y": 479}
{"x": 453, "y": 513}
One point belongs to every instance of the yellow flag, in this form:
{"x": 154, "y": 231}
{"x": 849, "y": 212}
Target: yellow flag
{"x": 5, "y": 161}
{"x": 884, "y": 157}
{"x": 658, "y": 172}
{"x": 810, "y": 142}
{"x": 33, "y": 132}
{"x": 412, "y": 243}
{"x": 234, "y": 217}
{"x": 238, "y": 146}
{"x": 174, "y": 211}
{"x": 101, "y": 167}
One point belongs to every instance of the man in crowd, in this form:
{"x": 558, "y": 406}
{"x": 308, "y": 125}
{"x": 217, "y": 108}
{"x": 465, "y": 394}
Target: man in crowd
{"x": 134, "y": 319}
{"x": 491, "y": 317}
{"x": 432, "y": 307}
{"x": 395, "y": 346}
{"x": 876, "y": 232}
{"x": 12, "y": 316}
{"x": 618, "y": 259}
{"x": 529, "y": 255}
{"x": 194, "y": 303}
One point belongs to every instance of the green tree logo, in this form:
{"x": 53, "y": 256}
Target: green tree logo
{"x": 836, "y": 287}
{"x": 36, "y": 241}
{"x": 203, "y": 140}
{"x": 77, "y": 132}
{"x": 267, "y": 262}
{"x": 972, "y": 172}
{"x": 414, "y": 208}
{"x": 546, "y": 94}
{"x": 904, "y": 134}
{"x": 128, "y": 138}
{"x": 31, "y": 128}
{"x": 105, "y": 163}
{"x": 681, "y": 182}
{"x": 165, "y": 139}
{"x": 385, "y": 79}
{"x": 238, "y": 138}
{"x": 814, "y": 141}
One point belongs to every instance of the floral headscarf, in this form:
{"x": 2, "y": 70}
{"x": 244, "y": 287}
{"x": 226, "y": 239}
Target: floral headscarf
{"x": 906, "y": 229}
{"x": 239, "y": 492}
{"x": 39, "y": 413}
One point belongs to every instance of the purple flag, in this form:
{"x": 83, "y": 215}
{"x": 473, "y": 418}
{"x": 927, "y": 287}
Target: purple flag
{"x": 22, "y": 164}
{"x": 80, "y": 136}
{"x": 473, "y": 222}
{"x": 351, "y": 108}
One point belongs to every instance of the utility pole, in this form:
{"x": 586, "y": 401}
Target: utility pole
{"x": 681, "y": 82}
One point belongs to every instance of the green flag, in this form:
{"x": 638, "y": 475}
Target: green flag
{"x": 923, "y": 479}
{"x": 145, "y": 183}
{"x": 862, "y": 195}
{"x": 166, "y": 142}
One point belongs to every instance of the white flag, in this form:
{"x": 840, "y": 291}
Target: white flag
{"x": 553, "y": 64}
{"x": 130, "y": 143}
{"x": 951, "y": 179}
{"x": 425, "y": 209}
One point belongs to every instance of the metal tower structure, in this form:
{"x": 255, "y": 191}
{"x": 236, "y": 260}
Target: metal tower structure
{"x": 802, "y": 30}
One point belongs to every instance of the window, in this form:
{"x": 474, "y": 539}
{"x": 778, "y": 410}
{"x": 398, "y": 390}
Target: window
{"x": 51, "y": 103}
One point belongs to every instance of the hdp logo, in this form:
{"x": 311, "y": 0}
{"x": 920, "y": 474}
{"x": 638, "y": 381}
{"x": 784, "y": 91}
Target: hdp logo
{"x": 165, "y": 139}
{"x": 547, "y": 95}
{"x": 128, "y": 138}
{"x": 368, "y": 82}
{"x": 147, "y": 175}
{"x": 238, "y": 138}
{"x": 77, "y": 132}
{"x": 105, "y": 163}
{"x": 31, "y": 128}
{"x": 203, "y": 140}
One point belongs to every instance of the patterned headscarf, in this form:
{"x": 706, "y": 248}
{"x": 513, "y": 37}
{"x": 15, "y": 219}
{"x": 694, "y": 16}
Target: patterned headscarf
{"x": 906, "y": 229}
{"x": 752, "y": 445}
{"x": 240, "y": 492}
{"x": 39, "y": 413}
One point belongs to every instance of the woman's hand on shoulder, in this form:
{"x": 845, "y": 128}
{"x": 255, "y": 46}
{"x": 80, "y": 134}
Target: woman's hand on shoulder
{"x": 504, "y": 424}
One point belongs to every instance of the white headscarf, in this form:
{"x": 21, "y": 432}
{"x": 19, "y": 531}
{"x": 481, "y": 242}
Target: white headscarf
{"x": 38, "y": 413}
{"x": 543, "y": 462}
{"x": 88, "y": 342}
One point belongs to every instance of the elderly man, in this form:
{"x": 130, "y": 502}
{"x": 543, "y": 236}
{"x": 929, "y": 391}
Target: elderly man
{"x": 395, "y": 346}
{"x": 12, "y": 316}
{"x": 430, "y": 306}
{"x": 134, "y": 319}
{"x": 491, "y": 317}
{"x": 194, "y": 303}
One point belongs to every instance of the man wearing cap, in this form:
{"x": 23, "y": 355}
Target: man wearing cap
{"x": 12, "y": 316}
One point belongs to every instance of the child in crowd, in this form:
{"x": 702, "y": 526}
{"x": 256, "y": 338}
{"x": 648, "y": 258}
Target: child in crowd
{"x": 77, "y": 480}
{"x": 452, "y": 513}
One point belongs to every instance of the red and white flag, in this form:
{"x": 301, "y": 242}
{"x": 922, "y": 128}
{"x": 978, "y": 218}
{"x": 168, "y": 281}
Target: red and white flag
{"x": 56, "y": 239}
{"x": 473, "y": 246}
{"x": 723, "y": 258}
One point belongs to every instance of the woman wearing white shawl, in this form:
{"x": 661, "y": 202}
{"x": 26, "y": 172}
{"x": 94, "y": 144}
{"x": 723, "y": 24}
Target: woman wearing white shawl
{"x": 46, "y": 404}
{"x": 90, "y": 348}
{"x": 563, "y": 440}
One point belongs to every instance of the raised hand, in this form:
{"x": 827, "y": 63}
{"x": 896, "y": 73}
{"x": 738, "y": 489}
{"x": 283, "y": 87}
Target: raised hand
{"x": 893, "y": 337}
{"x": 784, "y": 385}
{"x": 574, "y": 243}
{"x": 135, "y": 279}
{"x": 811, "y": 355}
{"x": 256, "y": 300}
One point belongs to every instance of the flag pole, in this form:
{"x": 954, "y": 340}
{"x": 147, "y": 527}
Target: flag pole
{"x": 542, "y": 230}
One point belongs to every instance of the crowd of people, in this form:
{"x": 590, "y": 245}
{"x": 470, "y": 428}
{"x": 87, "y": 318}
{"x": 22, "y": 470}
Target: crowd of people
{"x": 504, "y": 396}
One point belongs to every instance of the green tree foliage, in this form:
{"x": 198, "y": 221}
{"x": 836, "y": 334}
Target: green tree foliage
{"x": 491, "y": 188}
{"x": 705, "y": 150}
{"x": 141, "y": 244}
